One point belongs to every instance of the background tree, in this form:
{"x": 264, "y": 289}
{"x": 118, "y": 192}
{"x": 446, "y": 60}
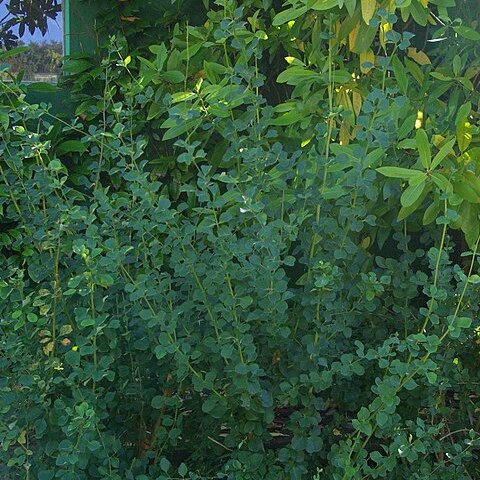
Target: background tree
{"x": 41, "y": 57}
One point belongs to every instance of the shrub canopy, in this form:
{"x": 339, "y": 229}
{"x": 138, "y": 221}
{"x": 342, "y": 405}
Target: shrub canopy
{"x": 252, "y": 253}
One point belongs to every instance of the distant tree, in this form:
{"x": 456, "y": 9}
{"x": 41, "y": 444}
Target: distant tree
{"x": 26, "y": 15}
{"x": 41, "y": 57}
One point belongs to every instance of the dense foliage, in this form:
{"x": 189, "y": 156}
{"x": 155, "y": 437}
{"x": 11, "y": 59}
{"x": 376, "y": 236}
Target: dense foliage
{"x": 252, "y": 253}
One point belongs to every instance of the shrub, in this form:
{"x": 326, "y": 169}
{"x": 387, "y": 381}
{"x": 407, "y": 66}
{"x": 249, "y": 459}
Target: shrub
{"x": 221, "y": 270}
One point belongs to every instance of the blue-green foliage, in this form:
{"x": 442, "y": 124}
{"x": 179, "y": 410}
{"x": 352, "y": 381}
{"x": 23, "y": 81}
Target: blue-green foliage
{"x": 239, "y": 299}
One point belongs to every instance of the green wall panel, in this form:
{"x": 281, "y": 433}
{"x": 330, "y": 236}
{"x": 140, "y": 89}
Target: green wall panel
{"x": 80, "y": 26}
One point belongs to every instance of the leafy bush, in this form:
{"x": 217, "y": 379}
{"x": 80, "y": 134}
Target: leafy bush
{"x": 225, "y": 268}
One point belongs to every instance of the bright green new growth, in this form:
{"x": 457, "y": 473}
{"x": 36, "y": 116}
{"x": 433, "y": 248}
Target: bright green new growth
{"x": 253, "y": 251}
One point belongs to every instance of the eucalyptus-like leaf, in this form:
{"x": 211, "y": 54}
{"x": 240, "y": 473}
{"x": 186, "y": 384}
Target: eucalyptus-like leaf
{"x": 442, "y": 182}
{"x": 412, "y": 193}
{"x": 431, "y": 212}
{"x": 442, "y": 153}
{"x": 399, "y": 172}
{"x": 423, "y": 147}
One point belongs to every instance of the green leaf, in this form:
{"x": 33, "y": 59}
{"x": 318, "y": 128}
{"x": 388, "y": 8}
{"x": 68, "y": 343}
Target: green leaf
{"x": 161, "y": 55}
{"x": 165, "y": 464}
{"x": 364, "y": 38}
{"x": 4, "y": 119}
{"x": 71, "y": 146}
{"x": 442, "y": 182}
{"x": 412, "y": 194}
{"x": 411, "y": 384}
{"x": 183, "y": 96}
{"x": 42, "y": 87}
{"x": 441, "y": 77}
{"x": 362, "y": 426}
{"x": 288, "y": 15}
{"x": 423, "y": 146}
{"x": 407, "y": 126}
{"x": 382, "y": 419}
{"x": 415, "y": 71}
{"x": 457, "y": 324}
{"x": 156, "y": 109}
{"x": 173, "y": 76}
{"x": 322, "y": 4}
{"x": 466, "y": 83}
{"x": 181, "y": 128}
{"x": 471, "y": 155}
{"x": 398, "y": 172}
{"x": 46, "y": 475}
{"x": 76, "y": 66}
{"x": 463, "y": 113}
{"x": 464, "y": 135}
{"x": 158, "y": 402}
{"x": 466, "y": 191}
{"x": 442, "y": 153}
{"x": 368, "y": 8}
{"x": 105, "y": 280}
{"x": 467, "y": 32}
{"x": 350, "y": 6}
{"x": 419, "y": 13}
{"x": 338, "y": 76}
{"x": 457, "y": 65}
{"x": 418, "y": 178}
{"x": 12, "y": 52}
{"x": 400, "y": 75}
{"x": 288, "y": 118}
{"x": 431, "y": 213}
{"x": 147, "y": 63}
{"x": 377, "y": 457}
{"x": 296, "y": 74}
{"x": 464, "y": 322}
{"x": 332, "y": 193}
{"x": 160, "y": 351}
{"x": 182, "y": 470}
{"x": 373, "y": 157}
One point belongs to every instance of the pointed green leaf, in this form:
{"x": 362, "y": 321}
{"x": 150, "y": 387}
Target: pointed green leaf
{"x": 12, "y": 52}
{"x": 42, "y": 87}
{"x": 173, "y": 76}
{"x": 442, "y": 153}
{"x": 411, "y": 194}
{"x": 400, "y": 75}
{"x": 350, "y": 6}
{"x": 398, "y": 172}
{"x": 406, "y": 211}
{"x": 364, "y": 38}
{"x": 295, "y": 75}
{"x": 417, "y": 178}
{"x": 441, "y": 182}
{"x": 288, "y": 15}
{"x": 322, "y": 4}
{"x": 70, "y": 146}
{"x": 181, "y": 128}
{"x": 467, "y": 192}
{"x": 463, "y": 113}
{"x": 423, "y": 146}
{"x": 431, "y": 212}
{"x": 464, "y": 135}
{"x": 467, "y": 32}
